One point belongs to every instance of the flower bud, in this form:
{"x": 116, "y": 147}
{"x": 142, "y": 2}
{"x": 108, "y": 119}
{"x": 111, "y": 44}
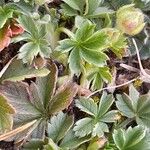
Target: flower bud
{"x": 130, "y": 20}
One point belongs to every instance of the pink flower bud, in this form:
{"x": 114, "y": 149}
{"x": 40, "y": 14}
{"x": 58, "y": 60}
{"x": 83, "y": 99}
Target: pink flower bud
{"x": 130, "y": 20}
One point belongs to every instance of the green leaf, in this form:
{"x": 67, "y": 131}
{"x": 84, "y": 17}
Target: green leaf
{"x": 63, "y": 97}
{"x": 70, "y": 141}
{"x": 72, "y": 3}
{"x": 119, "y": 46}
{"x": 143, "y": 113}
{"x": 97, "y": 76}
{"x": 110, "y": 116}
{"x": 5, "y": 14}
{"x": 75, "y": 62}
{"x": 17, "y": 95}
{"x": 86, "y": 31}
{"x": 59, "y": 125}
{"x": 119, "y": 138}
{"x": 47, "y": 85}
{"x": 97, "y": 82}
{"x": 28, "y": 24}
{"x": 124, "y": 104}
{"x": 100, "y": 11}
{"x": 87, "y": 105}
{"x": 105, "y": 103}
{"x": 30, "y": 50}
{"x": 133, "y": 94}
{"x": 105, "y": 74}
{"x": 33, "y": 144}
{"x": 6, "y": 111}
{"x": 97, "y": 41}
{"x": 91, "y": 6}
{"x": 84, "y": 127}
{"x": 17, "y": 71}
{"x": 66, "y": 45}
{"x": 135, "y": 107}
{"x": 68, "y": 11}
{"x": 117, "y": 41}
{"x": 85, "y": 45}
{"x": 36, "y": 97}
{"x": 94, "y": 57}
{"x": 131, "y": 139}
{"x": 99, "y": 129}
{"x": 96, "y": 123}
{"x": 72, "y": 7}
{"x": 37, "y": 42}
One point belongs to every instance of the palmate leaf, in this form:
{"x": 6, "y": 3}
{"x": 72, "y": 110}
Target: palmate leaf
{"x": 6, "y": 111}
{"x": 36, "y": 41}
{"x": 59, "y": 125}
{"x": 39, "y": 101}
{"x": 95, "y": 124}
{"x": 15, "y": 70}
{"x": 131, "y": 139}
{"x": 85, "y": 45}
{"x": 135, "y": 106}
{"x": 31, "y": 49}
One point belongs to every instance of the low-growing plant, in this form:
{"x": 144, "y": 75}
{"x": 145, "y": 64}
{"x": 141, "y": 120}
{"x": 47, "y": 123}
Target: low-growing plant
{"x": 74, "y": 74}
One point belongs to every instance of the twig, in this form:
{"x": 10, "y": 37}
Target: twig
{"x": 130, "y": 68}
{"x": 143, "y": 72}
{"x": 138, "y": 55}
{"x": 111, "y": 87}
